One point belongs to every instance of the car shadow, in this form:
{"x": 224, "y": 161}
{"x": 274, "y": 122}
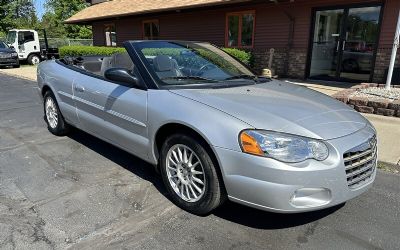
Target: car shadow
{"x": 229, "y": 211}
{"x": 259, "y": 219}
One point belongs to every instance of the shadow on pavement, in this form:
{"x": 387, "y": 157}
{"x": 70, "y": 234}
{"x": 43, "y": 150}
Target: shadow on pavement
{"x": 230, "y": 211}
{"x": 259, "y": 219}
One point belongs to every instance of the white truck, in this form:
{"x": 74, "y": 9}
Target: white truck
{"x": 27, "y": 44}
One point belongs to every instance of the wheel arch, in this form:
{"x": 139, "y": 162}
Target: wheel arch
{"x": 174, "y": 127}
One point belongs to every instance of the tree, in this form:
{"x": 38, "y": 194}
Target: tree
{"x": 60, "y": 10}
{"x": 17, "y": 14}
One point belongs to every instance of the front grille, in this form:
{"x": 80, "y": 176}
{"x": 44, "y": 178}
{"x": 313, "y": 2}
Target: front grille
{"x": 360, "y": 163}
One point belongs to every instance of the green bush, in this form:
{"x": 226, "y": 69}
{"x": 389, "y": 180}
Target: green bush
{"x": 243, "y": 56}
{"x": 88, "y": 51}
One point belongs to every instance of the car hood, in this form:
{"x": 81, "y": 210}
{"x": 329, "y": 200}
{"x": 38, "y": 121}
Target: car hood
{"x": 6, "y": 50}
{"x": 282, "y": 107}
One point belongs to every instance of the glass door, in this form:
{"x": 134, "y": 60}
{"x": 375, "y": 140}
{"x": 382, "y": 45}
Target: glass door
{"x": 344, "y": 42}
{"x": 359, "y": 44}
{"x": 326, "y": 44}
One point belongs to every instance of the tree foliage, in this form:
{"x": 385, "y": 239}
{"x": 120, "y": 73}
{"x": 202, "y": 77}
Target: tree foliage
{"x": 57, "y": 11}
{"x": 17, "y": 14}
{"x": 21, "y": 14}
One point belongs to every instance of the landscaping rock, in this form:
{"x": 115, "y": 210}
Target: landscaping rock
{"x": 357, "y": 101}
{"x": 364, "y": 109}
{"x": 385, "y": 112}
{"x": 379, "y": 103}
{"x": 395, "y": 105}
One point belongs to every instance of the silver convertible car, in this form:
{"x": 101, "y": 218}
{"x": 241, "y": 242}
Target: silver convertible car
{"x": 213, "y": 129}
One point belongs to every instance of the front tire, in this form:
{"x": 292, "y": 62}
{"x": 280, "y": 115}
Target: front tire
{"x": 190, "y": 175}
{"x": 53, "y": 117}
{"x": 33, "y": 59}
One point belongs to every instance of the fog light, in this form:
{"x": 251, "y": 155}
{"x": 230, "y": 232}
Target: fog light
{"x": 311, "y": 197}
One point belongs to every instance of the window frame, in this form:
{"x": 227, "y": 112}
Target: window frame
{"x": 150, "y": 21}
{"x": 105, "y": 36}
{"x": 240, "y": 14}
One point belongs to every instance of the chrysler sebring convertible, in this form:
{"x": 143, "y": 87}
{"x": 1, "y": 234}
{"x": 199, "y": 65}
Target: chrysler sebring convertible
{"x": 212, "y": 128}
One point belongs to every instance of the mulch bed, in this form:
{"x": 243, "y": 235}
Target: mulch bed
{"x": 379, "y": 106}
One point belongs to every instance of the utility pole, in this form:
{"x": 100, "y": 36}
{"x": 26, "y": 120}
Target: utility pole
{"x": 393, "y": 57}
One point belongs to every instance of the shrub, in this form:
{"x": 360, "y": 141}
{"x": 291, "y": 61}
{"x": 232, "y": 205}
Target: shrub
{"x": 88, "y": 51}
{"x": 243, "y": 56}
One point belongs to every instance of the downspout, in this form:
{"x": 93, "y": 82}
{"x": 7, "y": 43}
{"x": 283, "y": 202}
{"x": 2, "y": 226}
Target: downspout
{"x": 393, "y": 57}
{"x": 290, "y": 37}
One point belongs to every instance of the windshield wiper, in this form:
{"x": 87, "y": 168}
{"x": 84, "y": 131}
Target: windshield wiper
{"x": 243, "y": 76}
{"x": 198, "y": 78}
{"x": 249, "y": 77}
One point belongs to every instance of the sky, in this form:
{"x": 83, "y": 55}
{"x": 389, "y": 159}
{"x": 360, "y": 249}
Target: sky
{"x": 39, "y": 5}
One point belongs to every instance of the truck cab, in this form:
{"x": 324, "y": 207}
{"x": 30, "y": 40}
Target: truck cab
{"x": 26, "y": 43}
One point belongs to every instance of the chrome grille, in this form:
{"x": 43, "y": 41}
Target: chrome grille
{"x": 360, "y": 163}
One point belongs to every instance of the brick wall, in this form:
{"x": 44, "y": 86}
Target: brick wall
{"x": 382, "y": 64}
{"x": 296, "y": 63}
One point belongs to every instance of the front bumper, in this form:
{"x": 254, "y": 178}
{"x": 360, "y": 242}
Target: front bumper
{"x": 271, "y": 185}
{"x": 13, "y": 61}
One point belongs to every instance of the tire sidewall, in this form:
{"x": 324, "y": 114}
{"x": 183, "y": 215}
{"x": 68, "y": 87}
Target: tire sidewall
{"x": 60, "y": 129}
{"x": 207, "y": 201}
{"x": 30, "y": 59}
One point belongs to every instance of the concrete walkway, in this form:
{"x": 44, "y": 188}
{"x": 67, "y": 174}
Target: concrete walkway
{"x": 388, "y": 137}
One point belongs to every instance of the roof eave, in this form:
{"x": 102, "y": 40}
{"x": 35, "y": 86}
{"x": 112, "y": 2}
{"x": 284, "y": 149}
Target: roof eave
{"x": 89, "y": 20}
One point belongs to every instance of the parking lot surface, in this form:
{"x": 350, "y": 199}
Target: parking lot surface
{"x": 81, "y": 193}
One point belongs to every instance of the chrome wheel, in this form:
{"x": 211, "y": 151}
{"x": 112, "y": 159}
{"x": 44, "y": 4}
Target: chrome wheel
{"x": 185, "y": 173}
{"x": 51, "y": 112}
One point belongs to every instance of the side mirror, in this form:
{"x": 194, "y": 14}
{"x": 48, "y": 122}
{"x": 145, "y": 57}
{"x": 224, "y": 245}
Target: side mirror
{"x": 12, "y": 47}
{"x": 121, "y": 76}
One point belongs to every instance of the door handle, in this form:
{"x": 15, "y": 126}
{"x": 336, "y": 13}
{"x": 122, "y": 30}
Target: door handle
{"x": 337, "y": 46}
{"x": 79, "y": 88}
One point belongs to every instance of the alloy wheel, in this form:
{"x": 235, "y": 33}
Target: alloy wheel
{"x": 185, "y": 173}
{"x": 51, "y": 113}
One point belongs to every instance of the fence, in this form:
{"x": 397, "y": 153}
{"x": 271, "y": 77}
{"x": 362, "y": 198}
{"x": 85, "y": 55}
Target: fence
{"x": 60, "y": 42}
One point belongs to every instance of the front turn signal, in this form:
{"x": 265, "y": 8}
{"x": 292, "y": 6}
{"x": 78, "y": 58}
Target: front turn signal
{"x": 249, "y": 145}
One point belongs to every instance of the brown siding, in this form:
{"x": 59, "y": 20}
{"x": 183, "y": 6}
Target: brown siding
{"x": 272, "y": 30}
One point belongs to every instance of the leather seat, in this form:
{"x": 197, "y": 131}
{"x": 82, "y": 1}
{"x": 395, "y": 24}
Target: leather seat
{"x": 119, "y": 60}
{"x": 166, "y": 67}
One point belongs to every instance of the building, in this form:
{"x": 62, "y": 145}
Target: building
{"x": 340, "y": 40}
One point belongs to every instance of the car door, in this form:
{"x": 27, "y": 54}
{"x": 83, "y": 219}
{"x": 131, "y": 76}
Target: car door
{"x": 112, "y": 111}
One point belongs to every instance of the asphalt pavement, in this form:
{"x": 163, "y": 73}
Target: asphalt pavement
{"x": 81, "y": 193}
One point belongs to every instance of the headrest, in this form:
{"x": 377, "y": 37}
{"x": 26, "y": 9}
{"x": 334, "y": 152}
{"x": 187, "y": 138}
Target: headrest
{"x": 163, "y": 63}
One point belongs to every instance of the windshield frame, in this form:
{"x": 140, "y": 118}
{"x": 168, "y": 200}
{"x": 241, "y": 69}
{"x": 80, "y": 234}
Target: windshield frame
{"x": 139, "y": 45}
{"x": 9, "y": 35}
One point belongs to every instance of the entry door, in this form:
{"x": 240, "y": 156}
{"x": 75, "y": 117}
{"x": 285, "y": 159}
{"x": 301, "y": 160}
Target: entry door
{"x": 344, "y": 43}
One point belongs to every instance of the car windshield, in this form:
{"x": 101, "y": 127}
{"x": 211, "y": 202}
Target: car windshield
{"x": 3, "y": 45}
{"x": 11, "y": 37}
{"x": 189, "y": 63}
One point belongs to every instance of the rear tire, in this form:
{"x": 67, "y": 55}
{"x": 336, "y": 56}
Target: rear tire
{"x": 53, "y": 117}
{"x": 33, "y": 59}
{"x": 184, "y": 165}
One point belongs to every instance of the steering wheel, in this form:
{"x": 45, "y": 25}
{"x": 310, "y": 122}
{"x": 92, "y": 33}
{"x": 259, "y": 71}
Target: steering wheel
{"x": 205, "y": 66}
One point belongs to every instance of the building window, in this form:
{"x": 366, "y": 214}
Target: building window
{"x": 110, "y": 35}
{"x": 240, "y": 29}
{"x": 151, "y": 30}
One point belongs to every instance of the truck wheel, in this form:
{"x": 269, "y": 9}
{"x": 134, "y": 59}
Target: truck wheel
{"x": 33, "y": 59}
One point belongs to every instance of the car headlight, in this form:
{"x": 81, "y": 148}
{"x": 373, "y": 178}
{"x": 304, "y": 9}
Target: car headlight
{"x": 282, "y": 147}
{"x": 14, "y": 54}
